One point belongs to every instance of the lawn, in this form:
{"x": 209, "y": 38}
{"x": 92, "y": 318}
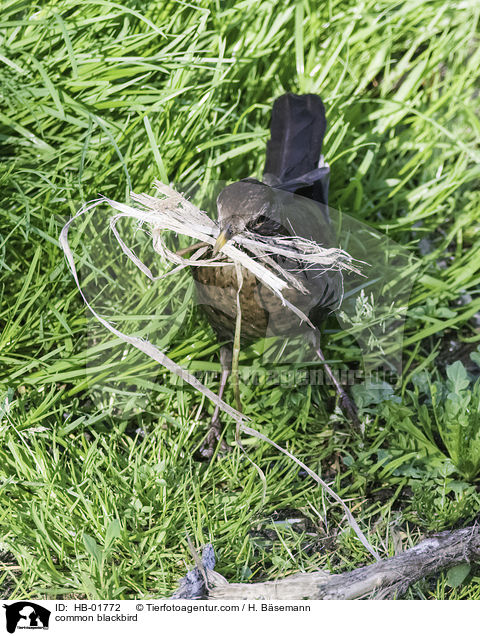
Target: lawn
{"x": 100, "y": 486}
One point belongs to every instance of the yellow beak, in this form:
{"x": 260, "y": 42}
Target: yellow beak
{"x": 222, "y": 238}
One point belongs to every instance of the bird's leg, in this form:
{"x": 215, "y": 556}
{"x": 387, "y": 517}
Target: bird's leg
{"x": 346, "y": 404}
{"x": 214, "y": 434}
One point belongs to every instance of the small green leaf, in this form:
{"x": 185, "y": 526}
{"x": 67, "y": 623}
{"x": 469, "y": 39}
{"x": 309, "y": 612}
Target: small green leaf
{"x": 93, "y": 549}
{"x": 457, "y": 374}
{"x": 457, "y": 575}
{"x": 475, "y": 357}
{"x": 114, "y": 531}
{"x": 373, "y": 393}
{"x": 445, "y": 312}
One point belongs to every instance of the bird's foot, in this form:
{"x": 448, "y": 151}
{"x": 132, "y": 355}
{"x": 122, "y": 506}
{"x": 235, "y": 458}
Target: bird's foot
{"x": 347, "y": 405}
{"x": 209, "y": 444}
{"x": 349, "y": 408}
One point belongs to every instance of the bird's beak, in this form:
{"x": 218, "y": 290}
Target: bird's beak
{"x": 222, "y": 239}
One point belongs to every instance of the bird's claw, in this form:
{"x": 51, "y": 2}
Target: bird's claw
{"x": 209, "y": 444}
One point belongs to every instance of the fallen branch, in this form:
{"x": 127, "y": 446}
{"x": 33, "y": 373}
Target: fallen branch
{"x": 389, "y": 578}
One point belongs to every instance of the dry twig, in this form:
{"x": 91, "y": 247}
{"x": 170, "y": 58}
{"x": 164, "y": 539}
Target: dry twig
{"x": 389, "y": 578}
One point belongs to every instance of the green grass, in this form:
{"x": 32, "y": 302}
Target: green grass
{"x": 96, "y": 440}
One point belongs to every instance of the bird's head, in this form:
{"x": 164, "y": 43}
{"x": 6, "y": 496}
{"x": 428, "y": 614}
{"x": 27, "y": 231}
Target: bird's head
{"x": 239, "y": 206}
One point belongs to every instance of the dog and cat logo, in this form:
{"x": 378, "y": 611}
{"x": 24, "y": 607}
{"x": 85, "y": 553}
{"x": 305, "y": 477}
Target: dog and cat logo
{"x": 26, "y": 615}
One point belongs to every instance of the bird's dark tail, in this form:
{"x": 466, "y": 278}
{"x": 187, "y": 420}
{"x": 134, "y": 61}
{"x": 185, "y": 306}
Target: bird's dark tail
{"x": 294, "y": 150}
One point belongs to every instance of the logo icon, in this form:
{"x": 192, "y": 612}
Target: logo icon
{"x": 26, "y": 615}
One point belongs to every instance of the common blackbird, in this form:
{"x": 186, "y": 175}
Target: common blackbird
{"x": 291, "y": 201}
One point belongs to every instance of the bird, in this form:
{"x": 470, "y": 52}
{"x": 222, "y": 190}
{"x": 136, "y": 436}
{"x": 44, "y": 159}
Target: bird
{"x": 290, "y": 201}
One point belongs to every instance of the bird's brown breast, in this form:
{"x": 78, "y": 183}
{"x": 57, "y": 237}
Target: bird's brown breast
{"x": 217, "y": 294}
{"x": 263, "y": 313}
